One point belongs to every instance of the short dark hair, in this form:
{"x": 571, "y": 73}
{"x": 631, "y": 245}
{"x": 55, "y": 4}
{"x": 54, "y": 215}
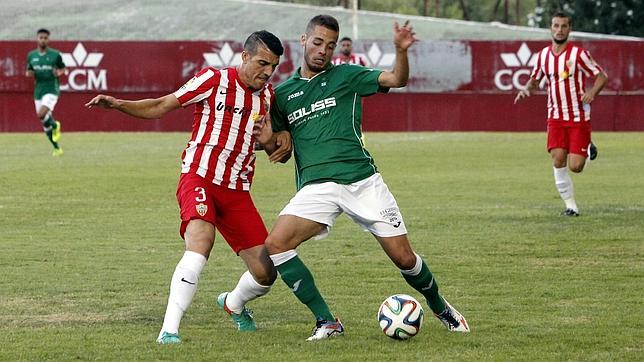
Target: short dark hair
{"x": 326, "y": 21}
{"x": 562, "y": 14}
{"x": 42, "y": 30}
{"x": 346, "y": 38}
{"x": 265, "y": 38}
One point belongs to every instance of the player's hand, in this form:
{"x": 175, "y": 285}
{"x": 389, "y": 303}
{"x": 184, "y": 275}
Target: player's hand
{"x": 263, "y": 129}
{"x": 404, "y": 36}
{"x": 284, "y": 145}
{"x": 59, "y": 72}
{"x": 587, "y": 98}
{"x": 522, "y": 94}
{"x": 102, "y": 100}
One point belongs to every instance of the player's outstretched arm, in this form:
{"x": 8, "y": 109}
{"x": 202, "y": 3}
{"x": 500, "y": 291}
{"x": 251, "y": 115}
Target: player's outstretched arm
{"x": 404, "y": 37}
{"x": 527, "y": 91}
{"x": 144, "y": 108}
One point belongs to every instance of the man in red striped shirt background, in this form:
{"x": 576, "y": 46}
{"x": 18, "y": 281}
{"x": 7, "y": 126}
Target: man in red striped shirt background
{"x": 216, "y": 175}
{"x": 346, "y": 56}
{"x": 565, "y": 68}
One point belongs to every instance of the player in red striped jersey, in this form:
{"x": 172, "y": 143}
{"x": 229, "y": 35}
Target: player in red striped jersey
{"x": 216, "y": 175}
{"x": 346, "y": 56}
{"x": 565, "y": 68}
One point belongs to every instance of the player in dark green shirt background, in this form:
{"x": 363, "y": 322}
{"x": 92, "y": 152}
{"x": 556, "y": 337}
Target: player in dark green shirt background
{"x": 46, "y": 65}
{"x": 320, "y": 105}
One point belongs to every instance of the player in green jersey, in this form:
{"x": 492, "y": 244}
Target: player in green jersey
{"x": 46, "y": 65}
{"x": 320, "y": 106}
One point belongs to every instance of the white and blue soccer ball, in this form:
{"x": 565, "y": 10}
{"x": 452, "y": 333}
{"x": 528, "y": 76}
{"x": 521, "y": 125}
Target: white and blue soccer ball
{"x": 400, "y": 316}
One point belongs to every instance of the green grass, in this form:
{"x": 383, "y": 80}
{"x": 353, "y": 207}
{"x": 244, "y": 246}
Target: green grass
{"x": 89, "y": 242}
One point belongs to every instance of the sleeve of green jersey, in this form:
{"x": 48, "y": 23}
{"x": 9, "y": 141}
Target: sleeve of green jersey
{"x": 59, "y": 62}
{"x": 278, "y": 119}
{"x": 364, "y": 81}
{"x": 29, "y": 67}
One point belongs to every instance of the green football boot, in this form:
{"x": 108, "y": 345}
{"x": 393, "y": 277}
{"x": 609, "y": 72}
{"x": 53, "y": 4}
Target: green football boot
{"x": 169, "y": 338}
{"x": 244, "y": 320}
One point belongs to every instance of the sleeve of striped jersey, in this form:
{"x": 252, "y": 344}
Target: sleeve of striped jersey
{"x": 537, "y": 72}
{"x": 198, "y": 88}
{"x": 588, "y": 64}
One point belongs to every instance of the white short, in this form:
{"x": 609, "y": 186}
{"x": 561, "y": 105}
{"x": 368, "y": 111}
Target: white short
{"x": 368, "y": 202}
{"x": 48, "y": 100}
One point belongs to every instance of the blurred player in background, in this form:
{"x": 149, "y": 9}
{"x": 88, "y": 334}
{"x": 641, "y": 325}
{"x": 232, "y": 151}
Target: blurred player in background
{"x": 346, "y": 54}
{"x": 320, "y": 106}
{"x": 46, "y": 65}
{"x": 216, "y": 175}
{"x": 565, "y": 67}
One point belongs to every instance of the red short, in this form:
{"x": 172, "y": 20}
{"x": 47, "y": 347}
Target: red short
{"x": 231, "y": 211}
{"x": 572, "y": 136}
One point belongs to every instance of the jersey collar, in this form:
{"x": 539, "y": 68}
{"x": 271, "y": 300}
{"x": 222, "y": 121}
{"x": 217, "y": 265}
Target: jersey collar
{"x": 298, "y": 74}
{"x": 238, "y": 80}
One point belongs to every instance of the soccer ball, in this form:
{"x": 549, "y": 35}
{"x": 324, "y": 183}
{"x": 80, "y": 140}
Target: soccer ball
{"x": 400, "y": 316}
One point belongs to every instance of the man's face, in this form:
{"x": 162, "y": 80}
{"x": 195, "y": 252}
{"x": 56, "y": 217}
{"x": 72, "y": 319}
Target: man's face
{"x": 43, "y": 39}
{"x": 346, "y": 46}
{"x": 319, "y": 45}
{"x": 560, "y": 29}
{"x": 257, "y": 69}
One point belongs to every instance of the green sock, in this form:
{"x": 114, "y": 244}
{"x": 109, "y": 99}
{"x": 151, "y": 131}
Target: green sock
{"x": 299, "y": 279}
{"x": 50, "y": 123}
{"x": 424, "y": 283}
{"x": 51, "y": 139}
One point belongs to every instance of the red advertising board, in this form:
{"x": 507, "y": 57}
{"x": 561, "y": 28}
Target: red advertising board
{"x": 454, "y": 85}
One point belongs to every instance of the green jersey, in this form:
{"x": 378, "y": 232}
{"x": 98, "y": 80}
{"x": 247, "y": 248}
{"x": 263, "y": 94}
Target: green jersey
{"x": 324, "y": 116}
{"x": 43, "y": 65}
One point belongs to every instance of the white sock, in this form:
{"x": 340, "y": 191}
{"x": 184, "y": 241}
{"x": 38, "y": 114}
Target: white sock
{"x": 281, "y": 258}
{"x": 246, "y": 290}
{"x": 182, "y": 289}
{"x": 565, "y": 188}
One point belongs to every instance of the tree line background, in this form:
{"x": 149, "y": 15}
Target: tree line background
{"x": 619, "y": 17}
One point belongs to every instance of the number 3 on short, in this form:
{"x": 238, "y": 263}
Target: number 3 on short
{"x": 202, "y": 194}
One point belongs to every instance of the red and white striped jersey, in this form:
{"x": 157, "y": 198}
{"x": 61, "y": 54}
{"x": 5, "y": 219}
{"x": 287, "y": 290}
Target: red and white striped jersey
{"x": 566, "y": 75}
{"x": 221, "y": 148}
{"x": 351, "y": 59}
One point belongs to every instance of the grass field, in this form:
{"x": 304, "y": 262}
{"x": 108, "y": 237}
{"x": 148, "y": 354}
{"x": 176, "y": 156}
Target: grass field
{"x": 89, "y": 242}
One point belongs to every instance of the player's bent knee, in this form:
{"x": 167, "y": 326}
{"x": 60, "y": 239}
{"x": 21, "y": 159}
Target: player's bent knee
{"x": 265, "y": 276}
{"x": 200, "y": 237}
{"x": 405, "y": 261}
{"x": 273, "y": 246}
{"x": 576, "y": 168}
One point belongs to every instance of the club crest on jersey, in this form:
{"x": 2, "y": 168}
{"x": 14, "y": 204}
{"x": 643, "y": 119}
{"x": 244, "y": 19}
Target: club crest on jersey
{"x": 202, "y": 209}
{"x": 256, "y": 117}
